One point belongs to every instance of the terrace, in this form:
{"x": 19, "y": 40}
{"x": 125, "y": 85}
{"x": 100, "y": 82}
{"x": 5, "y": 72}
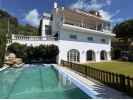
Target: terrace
{"x": 86, "y": 20}
{"x": 30, "y": 40}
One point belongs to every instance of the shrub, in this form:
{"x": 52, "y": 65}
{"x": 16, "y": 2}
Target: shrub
{"x": 116, "y": 53}
{"x": 130, "y": 55}
{"x": 42, "y": 53}
{"x": 52, "y": 51}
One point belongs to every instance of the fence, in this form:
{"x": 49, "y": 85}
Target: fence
{"x": 120, "y": 82}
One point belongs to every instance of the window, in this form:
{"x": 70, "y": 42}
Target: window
{"x": 51, "y": 18}
{"x": 73, "y": 55}
{"x": 103, "y": 55}
{"x": 73, "y": 37}
{"x": 90, "y": 39}
{"x": 48, "y": 30}
{"x": 103, "y": 40}
{"x": 90, "y": 55}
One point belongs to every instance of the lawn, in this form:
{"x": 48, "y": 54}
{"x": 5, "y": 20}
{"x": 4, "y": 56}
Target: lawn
{"x": 119, "y": 67}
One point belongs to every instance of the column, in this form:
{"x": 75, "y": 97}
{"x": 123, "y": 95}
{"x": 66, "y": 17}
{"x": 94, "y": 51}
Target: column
{"x": 97, "y": 56}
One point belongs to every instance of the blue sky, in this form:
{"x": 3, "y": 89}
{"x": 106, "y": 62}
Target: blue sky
{"x": 29, "y": 11}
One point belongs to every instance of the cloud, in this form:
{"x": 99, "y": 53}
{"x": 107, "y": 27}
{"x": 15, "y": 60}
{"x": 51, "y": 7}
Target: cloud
{"x": 108, "y": 16}
{"x": 84, "y": 4}
{"x": 116, "y": 13}
{"x": 108, "y": 2}
{"x": 32, "y": 18}
{"x": 96, "y": 5}
{"x": 105, "y": 15}
{"x": 79, "y": 4}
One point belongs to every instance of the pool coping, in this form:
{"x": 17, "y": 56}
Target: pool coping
{"x": 90, "y": 86}
{"x": 3, "y": 68}
{"x": 78, "y": 83}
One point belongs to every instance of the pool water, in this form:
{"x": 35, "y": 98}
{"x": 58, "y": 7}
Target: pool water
{"x": 37, "y": 82}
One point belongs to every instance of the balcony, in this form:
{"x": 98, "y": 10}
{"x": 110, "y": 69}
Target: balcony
{"x": 86, "y": 30}
{"x": 102, "y": 27}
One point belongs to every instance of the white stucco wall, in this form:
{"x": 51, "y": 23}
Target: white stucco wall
{"x": 57, "y": 21}
{"x": 82, "y": 47}
{"x": 83, "y": 37}
{"x": 44, "y": 23}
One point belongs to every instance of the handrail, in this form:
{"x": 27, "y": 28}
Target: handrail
{"x": 32, "y": 38}
{"x": 89, "y": 26}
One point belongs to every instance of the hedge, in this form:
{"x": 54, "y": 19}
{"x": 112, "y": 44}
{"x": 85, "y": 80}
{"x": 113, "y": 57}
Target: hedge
{"x": 39, "y": 54}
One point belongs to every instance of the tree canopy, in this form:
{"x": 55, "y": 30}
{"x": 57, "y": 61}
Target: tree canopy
{"x": 42, "y": 53}
{"x": 124, "y": 30}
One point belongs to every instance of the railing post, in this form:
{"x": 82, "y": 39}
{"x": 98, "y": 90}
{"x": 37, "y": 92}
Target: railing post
{"x": 128, "y": 85}
{"x": 110, "y": 80}
{"x": 86, "y": 70}
{"x": 13, "y": 36}
{"x": 107, "y": 77}
{"x": 71, "y": 65}
{"x": 62, "y": 62}
{"x": 113, "y": 80}
{"x": 117, "y": 82}
{"x": 122, "y": 83}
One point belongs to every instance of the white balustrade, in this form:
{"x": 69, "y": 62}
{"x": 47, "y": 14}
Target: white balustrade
{"x": 32, "y": 38}
{"x": 98, "y": 27}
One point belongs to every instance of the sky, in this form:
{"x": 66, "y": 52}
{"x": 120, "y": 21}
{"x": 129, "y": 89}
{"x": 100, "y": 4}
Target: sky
{"x": 29, "y": 11}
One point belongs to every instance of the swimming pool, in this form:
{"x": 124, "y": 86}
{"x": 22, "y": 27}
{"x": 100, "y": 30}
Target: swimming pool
{"x": 37, "y": 82}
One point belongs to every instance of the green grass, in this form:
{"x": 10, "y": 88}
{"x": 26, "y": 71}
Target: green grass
{"x": 119, "y": 67}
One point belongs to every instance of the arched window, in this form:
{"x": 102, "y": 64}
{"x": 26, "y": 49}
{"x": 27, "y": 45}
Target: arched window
{"x": 73, "y": 55}
{"x": 90, "y": 55}
{"x": 103, "y": 55}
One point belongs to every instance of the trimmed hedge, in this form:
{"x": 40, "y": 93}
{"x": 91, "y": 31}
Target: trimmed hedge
{"x": 38, "y": 54}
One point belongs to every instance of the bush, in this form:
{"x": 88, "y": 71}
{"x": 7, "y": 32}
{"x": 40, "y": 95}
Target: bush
{"x": 130, "y": 55}
{"x": 52, "y": 51}
{"x": 116, "y": 53}
{"x": 30, "y": 54}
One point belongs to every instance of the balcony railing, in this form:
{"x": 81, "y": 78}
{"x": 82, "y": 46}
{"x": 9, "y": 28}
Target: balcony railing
{"x": 32, "y": 38}
{"x": 97, "y": 27}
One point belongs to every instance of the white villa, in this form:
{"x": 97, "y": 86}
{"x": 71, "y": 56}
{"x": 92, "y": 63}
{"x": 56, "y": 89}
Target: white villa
{"x": 81, "y": 36}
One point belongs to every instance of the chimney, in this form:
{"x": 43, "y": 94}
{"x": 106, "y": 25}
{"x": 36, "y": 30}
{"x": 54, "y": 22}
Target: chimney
{"x": 55, "y": 5}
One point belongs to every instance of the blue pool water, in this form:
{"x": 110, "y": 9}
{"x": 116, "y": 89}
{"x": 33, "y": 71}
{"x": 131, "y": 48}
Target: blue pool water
{"x": 37, "y": 82}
